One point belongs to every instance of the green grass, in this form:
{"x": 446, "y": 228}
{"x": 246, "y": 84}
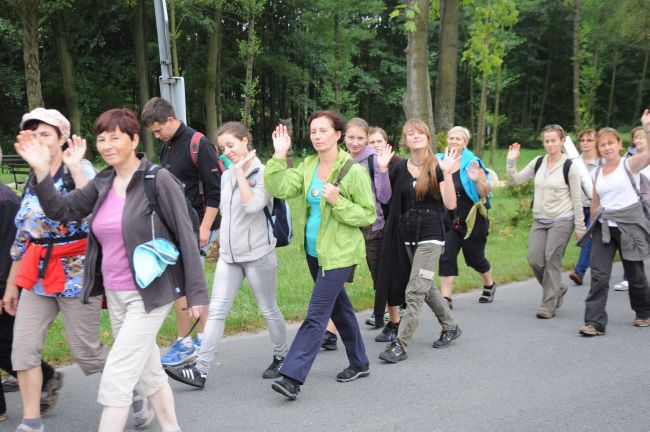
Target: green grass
{"x": 510, "y": 220}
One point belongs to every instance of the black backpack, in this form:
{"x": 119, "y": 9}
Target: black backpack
{"x": 151, "y": 190}
{"x": 279, "y": 218}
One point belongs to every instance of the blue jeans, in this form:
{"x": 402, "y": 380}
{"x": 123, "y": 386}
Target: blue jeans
{"x": 585, "y": 252}
{"x": 328, "y": 299}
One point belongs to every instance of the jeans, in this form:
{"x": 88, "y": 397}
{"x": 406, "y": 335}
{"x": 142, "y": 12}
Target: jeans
{"x": 585, "y": 252}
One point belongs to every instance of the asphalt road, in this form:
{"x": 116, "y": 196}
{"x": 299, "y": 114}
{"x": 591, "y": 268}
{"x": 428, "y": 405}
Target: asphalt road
{"x": 508, "y": 372}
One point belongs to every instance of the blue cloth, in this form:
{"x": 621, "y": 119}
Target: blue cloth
{"x": 466, "y": 158}
{"x": 150, "y": 260}
{"x": 313, "y": 221}
{"x": 585, "y": 251}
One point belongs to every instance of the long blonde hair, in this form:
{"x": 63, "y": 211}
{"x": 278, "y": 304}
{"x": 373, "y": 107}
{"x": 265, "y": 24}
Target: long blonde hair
{"x": 427, "y": 181}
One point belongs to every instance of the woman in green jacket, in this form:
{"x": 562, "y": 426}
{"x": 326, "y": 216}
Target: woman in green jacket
{"x": 339, "y": 201}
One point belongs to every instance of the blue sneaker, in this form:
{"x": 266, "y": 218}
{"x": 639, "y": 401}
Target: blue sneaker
{"x": 197, "y": 344}
{"x": 178, "y": 354}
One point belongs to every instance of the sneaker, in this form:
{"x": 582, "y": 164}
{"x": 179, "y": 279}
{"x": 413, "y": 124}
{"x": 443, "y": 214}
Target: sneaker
{"x": 639, "y": 322}
{"x": 622, "y": 286}
{"x": 24, "y": 428}
{"x": 273, "y": 370}
{"x": 446, "y": 336}
{"x": 9, "y": 384}
{"x": 488, "y": 293}
{"x": 449, "y": 302}
{"x": 402, "y": 310}
{"x": 197, "y": 344}
{"x": 576, "y": 278}
{"x": 329, "y": 341}
{"x": 389, "y": 333}
{"x": 545, "y": 314}
{"x": 287, "y": 387}
{"x": 372, "y": 320}
{"x": 187, "y": 374}
{"x": 50, "y": 393}
{"x": 179, "y": 354}
{"x": 559, "y": 299}
{"x": 143, "y": 414}
{"x": 351, "y": 373}
{"x": 394, "y": 353}
{"x": 3, "y": 416}
{"x": 591, "y": 330}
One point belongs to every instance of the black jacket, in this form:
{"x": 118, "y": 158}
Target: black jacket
{"x": 9, "y": 205}
{"x": 175, "y": 157}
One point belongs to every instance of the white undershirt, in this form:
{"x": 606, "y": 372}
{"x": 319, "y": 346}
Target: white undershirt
{"x": 615, "y": 189}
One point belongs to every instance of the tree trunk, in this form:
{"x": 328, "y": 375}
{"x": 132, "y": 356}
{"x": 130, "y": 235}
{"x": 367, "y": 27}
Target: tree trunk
{"x": 641, "y": 86}
{"x": 542, "y": 104}
{"x": 212, "y": 77}
{"x": 445, "y": 100}
{"x": 472, "y": 113}
{"x": 31, "y": 24}
{"x": 250, "y": 58}
{"x": 480, "y": 134}
{"x": 417, "y": 100}
{"x": 576, "y": 66}
{"x": 612, "y": 86}
{"x": 142, "y": 73}
{"x": 337, "y": 64}
{"x": 173, "y": 36}
{"x": 67, "y": 73}
{"x": 495, "y": 126}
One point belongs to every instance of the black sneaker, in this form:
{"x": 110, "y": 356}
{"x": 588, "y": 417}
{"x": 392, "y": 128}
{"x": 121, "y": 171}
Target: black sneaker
{"x": 288, "y": 387}
{"x": 187, "y": 374}
{"x": 389, "y": 333}
{"x": 272, "y": 370}
{"x": 351, "y": 373}
{"x": 394, "y": 353}
{"x": 329, "y": 341}
{"x": 446, "y": 336}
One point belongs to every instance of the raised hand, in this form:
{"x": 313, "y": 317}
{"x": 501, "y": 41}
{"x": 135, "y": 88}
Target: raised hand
{"x": 241, "y": 163}
{"x": 74, "y": 154}
{"x": 384, "y": 154}
{"x": 452, "y": 156}
{"x": 473, "y": 171}
{"x": 645, "y": 119}
{"x": 514, "y": 150}
{"x": 35, "y": 153}
{"x": 281, "y": 141}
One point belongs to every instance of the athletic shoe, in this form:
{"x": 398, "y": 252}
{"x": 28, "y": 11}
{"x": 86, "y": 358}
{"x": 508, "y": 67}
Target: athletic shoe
{"x": 591, "y": 330}
{"x": 49, "y": 395}
{"x": 351, "y": 373}
{"x": 179, "y": 354}
{"x": 3, "y": 416}
{"x": 288, "y": 387}
{"x": 394, "y": 353}
{"x": 197, "y": 344}
{"x": 576, "y": 278}
{"x": 187, "y": 374}
{"x": 389, "y": 333}
{"x": 9, "y": 384}
{"x": 329, "y": 341}
{"x": 488, "y": 293}
{"x": 273, "y": 370}
{"x": 143, "y": 414}
{"x": 24, "y": 428}
{"x": 560, "y": 296}
{"x": 372, "y": 321}
{"x": 446, "y": 336}
{"x": 622, "y": 286}
{"x": 642, "y": 322}
{"x": 545, "y": 314}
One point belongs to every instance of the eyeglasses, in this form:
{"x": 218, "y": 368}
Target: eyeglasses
{"x": 587, "y": 139}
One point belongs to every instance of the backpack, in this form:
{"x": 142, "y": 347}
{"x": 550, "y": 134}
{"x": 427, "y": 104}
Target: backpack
{"x": 279, "y": 218}
{"x": 151, "y": 190}
{"x": 194, "y": 153}
{"x": 66, "y": 177}
{"x": 565, "y": 172}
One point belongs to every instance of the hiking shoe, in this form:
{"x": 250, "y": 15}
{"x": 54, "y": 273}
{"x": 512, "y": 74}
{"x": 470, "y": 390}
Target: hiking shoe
{"x": 389, "y": 333}
{"x": 273, "y": 370}
{"x": 642, "y": 322}
{"x": 3, "y": 416}
{"x": 372, "y": 320}
{"x": 329, "y": 341}
{"x": 288, "y": 387}
{"x": 351, "y": 373}
{"x": 591, "y": 330}
{"x": 9, "y": 384}
{"x": 143, "y": 414}
{"x": 545, "y": 314}
{"x": 179, "y": 354}
{"x": 559, "y": 299}
{"x": 576, "y": 278}
{"x": 50, "y": 393}
{"x": 187, "y": 374}
{"x": 449, "y": 302}
{"x": 394, "y": 353}
{"x": 622, "y": 286}
{"x": 24, "y": 428}
{"x": 446, "y": 336}
{"x": 488, "y": 293}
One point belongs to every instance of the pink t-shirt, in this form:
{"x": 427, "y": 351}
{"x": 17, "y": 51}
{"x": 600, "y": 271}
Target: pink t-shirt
{"x": 107, "y": 227}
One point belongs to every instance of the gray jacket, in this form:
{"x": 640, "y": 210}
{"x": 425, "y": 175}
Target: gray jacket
{"x": 245, "y": 234}
{"x": 635, "y": 233}
{"x": 186, "y": 277}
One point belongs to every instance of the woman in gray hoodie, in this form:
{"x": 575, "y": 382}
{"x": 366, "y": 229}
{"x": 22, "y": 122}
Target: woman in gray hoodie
{"x": 247, "y": 249}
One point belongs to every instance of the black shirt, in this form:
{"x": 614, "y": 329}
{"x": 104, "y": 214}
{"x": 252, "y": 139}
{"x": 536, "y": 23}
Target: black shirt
{"x": 175, "y": 156}
{"x": 9, "y": 205}
{"x": 421, "y": 220}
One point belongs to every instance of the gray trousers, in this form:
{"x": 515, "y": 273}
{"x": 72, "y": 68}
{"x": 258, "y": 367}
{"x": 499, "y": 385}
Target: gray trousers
{"x": 546, "y": 246}
{"x": 421, "y": 289}
{"x": 228, "y": 277}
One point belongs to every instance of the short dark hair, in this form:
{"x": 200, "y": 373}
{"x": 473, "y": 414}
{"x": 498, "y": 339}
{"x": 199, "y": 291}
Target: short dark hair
{"x": 157, "y": 110}
{"x": 335, "y": 119}
{"x": 33, "y": 124}
{"x": 123, "y": 118}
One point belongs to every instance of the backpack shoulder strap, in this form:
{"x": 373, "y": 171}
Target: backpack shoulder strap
{"x": 344, "y": 171}
{"x": 68, "y": 181}
{"x": 538, "y": 163}
{"x": 634, "y": 186}
{"x": 371, "y": 168}
{"x": 194, "y": 147}
{"x": 151, "y": 188}
{"x": 565, "y": 170}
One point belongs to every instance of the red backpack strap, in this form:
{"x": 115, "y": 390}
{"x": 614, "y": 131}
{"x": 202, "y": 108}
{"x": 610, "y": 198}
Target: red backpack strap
{"x": 194, "y": 147}
{"x": 222, "y": 165}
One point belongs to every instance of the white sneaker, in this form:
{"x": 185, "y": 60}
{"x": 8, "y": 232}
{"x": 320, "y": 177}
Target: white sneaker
{"x": 143, "y": 414}
{"x": 622, "y": 286}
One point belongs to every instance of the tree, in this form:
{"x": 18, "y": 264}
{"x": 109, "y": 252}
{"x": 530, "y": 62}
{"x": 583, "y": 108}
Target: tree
{"x": 67, "y": 73}
{"x": 445, "y": 100}
{"x": 213, "y": 75}
{"x": 139, "y": 45}
{"x": 576, "y": 64}
{"x": 249, "y": 50}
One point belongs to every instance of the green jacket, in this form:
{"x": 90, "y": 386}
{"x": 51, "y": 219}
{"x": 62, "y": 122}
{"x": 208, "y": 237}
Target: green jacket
{"x": 340, "y": 242}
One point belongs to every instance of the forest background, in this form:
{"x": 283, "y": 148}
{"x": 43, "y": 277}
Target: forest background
{"x": 502, "y": 68}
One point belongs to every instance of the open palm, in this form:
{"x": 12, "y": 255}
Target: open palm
{"x": 384, "y": 154}
{"x": 281, "y": 140}
{"x": 514, "y": 151}
{"x": 451, "y": 157}
{"x": 75, "y": 152}
{"x": 473, "y": 171}
{"x": 35, "y": 153}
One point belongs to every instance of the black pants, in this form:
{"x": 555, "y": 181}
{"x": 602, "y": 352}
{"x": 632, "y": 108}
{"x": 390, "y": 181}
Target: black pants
{"x": 473, "y": 249}
{"x": 602, "y": 256}
{"x": 6, "y": 340}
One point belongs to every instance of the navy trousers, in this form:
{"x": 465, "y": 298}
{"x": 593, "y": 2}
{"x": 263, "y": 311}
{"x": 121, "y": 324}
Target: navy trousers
{"x": 328, "y": 299}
